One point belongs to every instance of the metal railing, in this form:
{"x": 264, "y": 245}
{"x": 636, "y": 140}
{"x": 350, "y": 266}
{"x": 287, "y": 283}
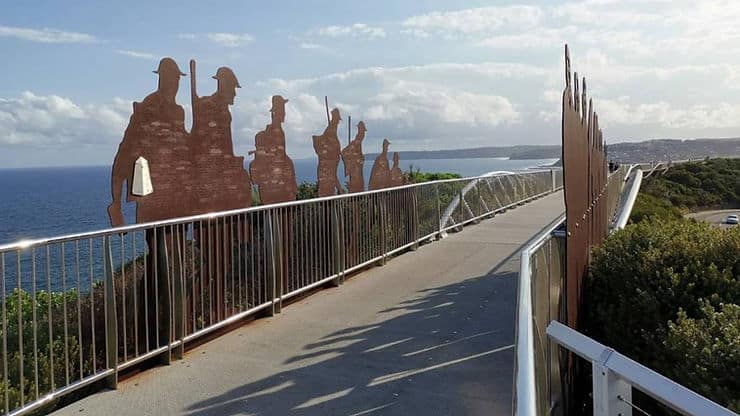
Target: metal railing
{"x": 627, "y": 201}
{"x": 538, "y": 388}
{"x": 537, "y": 382}
{"x": 78, "y": 309}
{"x": 614, "y": 376}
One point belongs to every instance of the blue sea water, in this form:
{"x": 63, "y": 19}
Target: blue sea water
{"x": 47, "y": 202}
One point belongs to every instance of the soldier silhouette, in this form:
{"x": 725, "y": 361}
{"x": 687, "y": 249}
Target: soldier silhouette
{"x": 380, "y": 175}
{"x": 396, "y": 173}
{"x": 354, "y": 161}
{"x": 156, "y": 132}
{"x": 223, "y": 183}
{"x": 328, "y": 149}
{"x": 272, "y": 170}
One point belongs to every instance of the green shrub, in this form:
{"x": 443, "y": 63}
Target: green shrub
{"x": 308, "y": 190}
{"x": 416, "y": 176}
{"x": 656, "y": 280}
{"x": 647, "y": 206}
{"x": 709, "y": 348}
{"x": 694, "y": 185}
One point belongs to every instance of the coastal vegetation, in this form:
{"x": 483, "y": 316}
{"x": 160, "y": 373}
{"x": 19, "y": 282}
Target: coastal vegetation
{"x": 665, "y": 291}
{"x": 692, "y": 186}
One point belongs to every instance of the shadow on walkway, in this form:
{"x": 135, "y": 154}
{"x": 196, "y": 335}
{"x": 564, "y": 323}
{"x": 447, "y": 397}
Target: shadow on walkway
{"x": 447, "y": 351}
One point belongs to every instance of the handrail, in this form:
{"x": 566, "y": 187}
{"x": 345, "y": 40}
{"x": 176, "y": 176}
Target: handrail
{"x": 208, "y": 216}
{"x": 616, "y": 368}
{"x": 455, "y": 202}
{"x": 525, "y": 387}
{"x": 625, "y": 207}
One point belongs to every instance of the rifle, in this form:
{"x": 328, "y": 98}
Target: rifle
{"x": 193, "y": 93}
{"x": 326, "y": 104}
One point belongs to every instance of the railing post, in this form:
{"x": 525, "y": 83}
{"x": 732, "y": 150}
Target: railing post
{"x": 440, "y": 227}
{"x": 164, "y": 297}
{"x": 178, "y": 296}
{"x": 383, "y": 227}
{"x": 111, "y": 324}
{"x": 414, "y": 217}
{"x": 611, "y": 395}
{"x": 272, "y": 262}
{"x": 337, "y": 228}
{"x": 554, "y": 183}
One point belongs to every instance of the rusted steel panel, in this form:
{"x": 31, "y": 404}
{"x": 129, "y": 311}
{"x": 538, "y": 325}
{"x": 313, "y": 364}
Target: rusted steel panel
{"x": 328, "y": 149}
{"x": 272, "y": 170}
{"x": 380, "y": 176}
{"x": 354, "y": 161}
{"x": 585, "y": 179}
{"x": 191, "y": 173}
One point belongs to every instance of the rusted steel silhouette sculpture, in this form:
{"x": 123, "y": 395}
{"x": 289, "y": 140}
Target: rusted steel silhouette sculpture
{"x": 354, "y": 161}
{"x": 396, "y": 173}
{"x": 156, "y": 132}
{"x": 190, "y": 173}
{"x": 272, "y": 170}
{"x": 223, "y": 183}
{"x": 380, "y": 175}
{"x": 328, "y": 149}
{"x": 585, "y": 176}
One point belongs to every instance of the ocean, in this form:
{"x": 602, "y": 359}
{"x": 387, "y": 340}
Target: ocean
{"x": 47, "y": 202}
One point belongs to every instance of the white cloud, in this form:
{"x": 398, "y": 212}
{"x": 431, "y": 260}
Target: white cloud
{"x": 481, "y": 20}
{"x": 51, "y": 120}
{"x": 136, "y": 54}
{"x": 313, "y": 46}
{"x": 230, "y": 40}
{"x": 358, "y": 30}
{"x": 663, "y": 114}
{"x": 426, "y": 106}
{"x": 46, "y": 35}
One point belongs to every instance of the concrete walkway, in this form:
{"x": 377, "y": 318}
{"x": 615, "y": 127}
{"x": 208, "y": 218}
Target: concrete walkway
{"x": 429, "y": 333}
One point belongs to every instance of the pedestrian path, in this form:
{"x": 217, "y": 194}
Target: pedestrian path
{"x": 429, "y": 333}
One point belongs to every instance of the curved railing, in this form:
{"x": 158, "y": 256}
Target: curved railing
{"x": 537, "y": 378}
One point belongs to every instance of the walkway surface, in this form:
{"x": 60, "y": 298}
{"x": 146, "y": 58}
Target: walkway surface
{"x": 431, "y": 333}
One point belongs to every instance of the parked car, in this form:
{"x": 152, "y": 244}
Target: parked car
{"x": 731, "y": 219}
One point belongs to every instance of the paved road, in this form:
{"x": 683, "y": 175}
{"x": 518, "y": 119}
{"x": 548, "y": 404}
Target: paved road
{"x": 716, "y": 218}
{"x": 429, "y": 333}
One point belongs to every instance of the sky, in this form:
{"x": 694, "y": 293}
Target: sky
{"x": 432, "y": 74}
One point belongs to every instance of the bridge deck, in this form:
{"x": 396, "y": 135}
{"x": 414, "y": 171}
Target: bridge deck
{"x": 431, "y": 332}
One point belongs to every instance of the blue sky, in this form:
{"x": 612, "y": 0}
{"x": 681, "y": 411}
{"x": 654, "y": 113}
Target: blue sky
{"x": 427, "y": 74}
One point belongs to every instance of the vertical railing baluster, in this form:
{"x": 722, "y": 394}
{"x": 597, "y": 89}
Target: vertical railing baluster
{"x": 336, "y": 243}
{"x": 134, "y": 278}
{"x": 111, "y": 323}
{"x": 122, "y": 280}
{"x": 178, "y": 298}
{"x": 19, "y": 288}
{"x": 5, "y": 334}
{"x": 50, "y": 318}
{"x": 64, "y": 314}
{"x": 439, "y": 212}
{"x": 93, "y": 351}
{"x": 270, "y": 261}
{"x": 34, "y": 324}
{"x": 79, "y": 307}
